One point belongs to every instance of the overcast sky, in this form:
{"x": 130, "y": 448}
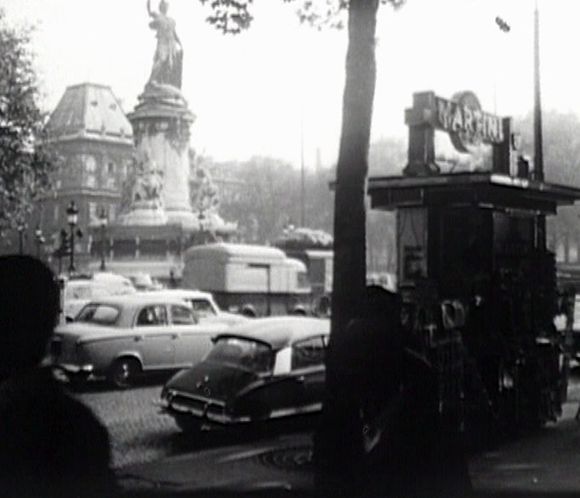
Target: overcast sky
{"x": 251, "y": 92}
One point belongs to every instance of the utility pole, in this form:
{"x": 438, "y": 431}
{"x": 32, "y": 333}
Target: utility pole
{"x": 538, "y": 145}
{"x": 302, "y": 181}
{"x": 538, "y": 139}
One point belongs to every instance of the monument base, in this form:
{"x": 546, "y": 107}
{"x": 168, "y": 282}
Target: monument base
{"x": 153, "y": 249}
{"x": 143, "y": 217}
{"x": 130, "y": 249}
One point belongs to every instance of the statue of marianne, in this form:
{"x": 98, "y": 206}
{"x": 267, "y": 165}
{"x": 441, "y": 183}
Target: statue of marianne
{"x": 167, "y": 63}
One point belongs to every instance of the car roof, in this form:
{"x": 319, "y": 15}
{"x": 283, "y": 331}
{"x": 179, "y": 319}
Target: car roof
{"x": 281, "y": 331}
{"x": 137, "y": 299}
{"x": 227, "y": 250}
{"x": 178, "y": 293}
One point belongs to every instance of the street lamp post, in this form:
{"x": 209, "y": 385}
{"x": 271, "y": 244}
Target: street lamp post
{"x": 21, "y": 227}
{"x": 72, "y": 217}
{"x": 103, "y": 221}
{"x": 201, "y": 220}
{"x": 39, "y": 237}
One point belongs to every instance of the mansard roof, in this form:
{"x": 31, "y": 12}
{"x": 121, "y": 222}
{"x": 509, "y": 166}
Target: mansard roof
{"x": 90, "y": 111}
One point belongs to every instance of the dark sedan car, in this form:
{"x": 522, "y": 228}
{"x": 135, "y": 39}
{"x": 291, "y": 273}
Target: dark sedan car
{"x": 268, "y": 368}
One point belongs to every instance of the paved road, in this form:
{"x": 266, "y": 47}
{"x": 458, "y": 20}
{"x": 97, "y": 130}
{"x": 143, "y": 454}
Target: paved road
{"x": 139, "y": 433}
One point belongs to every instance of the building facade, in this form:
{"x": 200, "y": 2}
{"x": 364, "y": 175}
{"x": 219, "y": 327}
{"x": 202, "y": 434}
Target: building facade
{"x": 91, "y": 133}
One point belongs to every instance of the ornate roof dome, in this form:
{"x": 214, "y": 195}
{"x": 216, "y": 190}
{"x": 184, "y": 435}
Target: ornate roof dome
{"x": 90, "y": 111}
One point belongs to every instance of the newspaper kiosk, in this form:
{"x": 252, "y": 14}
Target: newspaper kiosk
{"x": 476, "y": 278}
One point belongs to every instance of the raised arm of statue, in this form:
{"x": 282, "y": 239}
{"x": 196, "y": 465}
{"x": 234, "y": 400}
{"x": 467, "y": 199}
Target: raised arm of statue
{"x": 149, "y": 11}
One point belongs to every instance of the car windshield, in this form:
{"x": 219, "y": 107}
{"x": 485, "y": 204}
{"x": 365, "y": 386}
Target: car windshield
{"x": 243, "y": 353}
{"x": 101, "y": 314}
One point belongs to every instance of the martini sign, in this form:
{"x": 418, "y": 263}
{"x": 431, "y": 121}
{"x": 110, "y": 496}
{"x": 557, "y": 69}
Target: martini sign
{"x": 461, "y": 117}
{"x": 466, "y": 123}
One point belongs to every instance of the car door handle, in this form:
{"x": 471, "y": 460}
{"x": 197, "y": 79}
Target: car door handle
{"x": 174, "y": 336}
{"x": 301, "y": 379}
{"x": 138, "y": 338}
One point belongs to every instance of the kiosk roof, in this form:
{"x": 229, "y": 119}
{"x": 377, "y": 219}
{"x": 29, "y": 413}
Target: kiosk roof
{"x": 488, "y": 190}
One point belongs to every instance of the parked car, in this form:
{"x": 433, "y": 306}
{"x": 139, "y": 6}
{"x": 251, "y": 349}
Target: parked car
{"x": 265, "y": 369}
{"x": 203, "y": 305}
{"x": 144, "y": 281}
{"x": 122, "y": 337}
{"x": 79, "y": 291}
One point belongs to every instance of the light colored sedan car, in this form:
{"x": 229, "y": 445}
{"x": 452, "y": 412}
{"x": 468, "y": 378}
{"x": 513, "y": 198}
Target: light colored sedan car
{"x": 203, "y": 305}
{"x": 121, "y": 337}
{"x": 79, "y": 291}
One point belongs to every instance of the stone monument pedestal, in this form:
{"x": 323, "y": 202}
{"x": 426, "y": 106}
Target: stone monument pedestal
{"x": 150, "y": 236}
{"x": 161, "y": 127}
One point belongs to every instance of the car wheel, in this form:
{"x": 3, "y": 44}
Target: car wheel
{"x": 187, "y": 423}
{"x": 123, "y": 372}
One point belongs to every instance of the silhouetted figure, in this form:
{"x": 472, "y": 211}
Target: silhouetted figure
{"x": 392, "y": 442}
{"x": 408, "y": 450}
{"x": 50, "y": 444}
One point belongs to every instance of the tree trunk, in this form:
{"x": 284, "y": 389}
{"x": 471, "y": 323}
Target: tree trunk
{"x": 349, "y": 277}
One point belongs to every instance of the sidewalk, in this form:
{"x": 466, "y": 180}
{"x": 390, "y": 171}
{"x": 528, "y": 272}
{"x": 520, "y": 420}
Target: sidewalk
{"x": 545, "y": 464}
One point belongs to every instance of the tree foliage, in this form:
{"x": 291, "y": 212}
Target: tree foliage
{"x": 235, "y": 16}
{"x": 265, "y": 198}
{"x": 561, "y": 140}
{"x": 349, "y": 278}
{"x": 25, "y": 165}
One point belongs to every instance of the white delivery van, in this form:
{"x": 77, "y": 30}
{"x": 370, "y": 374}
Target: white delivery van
{"x": 251, "y": 279}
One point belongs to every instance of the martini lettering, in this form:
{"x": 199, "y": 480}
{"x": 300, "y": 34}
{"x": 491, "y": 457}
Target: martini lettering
{"x": 472, "y": 125}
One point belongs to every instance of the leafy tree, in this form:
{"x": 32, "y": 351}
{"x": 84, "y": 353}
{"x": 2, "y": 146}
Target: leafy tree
{"x": 263, "y": 196}
{"x": 351, "y": 172}
{"x": 561, "y": 140}
{"x": 25, "y": 165}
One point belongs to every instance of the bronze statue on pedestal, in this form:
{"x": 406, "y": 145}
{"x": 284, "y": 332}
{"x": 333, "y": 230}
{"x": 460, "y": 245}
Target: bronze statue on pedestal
{"x": 168, "y": 60}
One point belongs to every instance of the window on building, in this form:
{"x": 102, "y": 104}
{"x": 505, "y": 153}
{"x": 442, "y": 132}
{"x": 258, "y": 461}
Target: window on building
{"x": 56, "y": 213}
{"x": 93, "y": 215}
{"x": 90, "y": 171}
{"x": 110, "y": 180}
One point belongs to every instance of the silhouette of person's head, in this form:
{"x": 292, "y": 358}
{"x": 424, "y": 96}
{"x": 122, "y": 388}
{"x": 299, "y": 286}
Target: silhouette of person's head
{"x": 29, "y": 307}
{"x": 382, "y": 303}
